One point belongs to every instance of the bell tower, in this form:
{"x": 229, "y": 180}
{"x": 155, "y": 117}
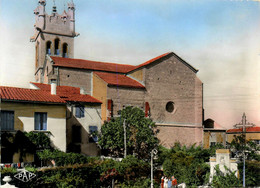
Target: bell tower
{"x": 54, "y": 34}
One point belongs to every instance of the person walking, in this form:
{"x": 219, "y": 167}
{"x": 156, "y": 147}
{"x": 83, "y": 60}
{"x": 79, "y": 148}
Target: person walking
{"x": 162, "y": 182}
{"x": 174, "y": 182}
{"x": 170, "y": 183}
{"x": 165, "y": 182}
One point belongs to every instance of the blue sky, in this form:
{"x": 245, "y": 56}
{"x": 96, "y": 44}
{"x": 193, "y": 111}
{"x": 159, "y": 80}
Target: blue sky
{"x": 221, "y": 38}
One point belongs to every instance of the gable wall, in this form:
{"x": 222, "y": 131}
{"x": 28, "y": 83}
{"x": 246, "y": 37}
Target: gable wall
{"x": 138, "y": 75}
{"x": 75, "y": 78}
{"x": 173, "y": 81}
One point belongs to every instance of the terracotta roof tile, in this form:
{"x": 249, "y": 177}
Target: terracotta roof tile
{"x": 60, "y": 89}
{"x": 150, "y": 61}
{"x": 119, "y": 80}
{"x": 68, "y": 93}
{"x": 248, "y": 129}
{"x": 91, "y": 65}
{"x": 30, "y": 95}
{"x": 109, "y": 67}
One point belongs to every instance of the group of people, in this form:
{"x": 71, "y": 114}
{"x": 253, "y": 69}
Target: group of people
{"x": 168, "y": 182}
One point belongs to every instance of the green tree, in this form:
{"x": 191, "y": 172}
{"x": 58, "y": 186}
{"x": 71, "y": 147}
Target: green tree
{"x": 41, "y": 140}
{"x": 240, "y": 144}
{"x": 225, "y": 180}
{"x": 252, "y": 169}
{"x": 187, "y": 164}
{"x": 140, "y": 134}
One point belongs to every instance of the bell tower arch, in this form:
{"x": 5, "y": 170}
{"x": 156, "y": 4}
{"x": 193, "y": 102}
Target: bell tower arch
{"x": 54, "y": 35}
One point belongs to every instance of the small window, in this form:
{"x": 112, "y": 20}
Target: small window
{"x": 48, "y": 48}
{"x": 212, "y": 144}
{"x": 257, "y": 142}
{"x": 170, "y": 107}
{"x": 76, "y": 134}
{"x": 56, "y": 44}
{"x": 40, "y": 121}
{"x": 7, "y": 120}
{"x": 80, "y": 111}
{"x": 93, "y": 130}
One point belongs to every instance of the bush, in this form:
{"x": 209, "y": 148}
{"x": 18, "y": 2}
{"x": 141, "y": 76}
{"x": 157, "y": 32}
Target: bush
{"x": 62, "y": 158}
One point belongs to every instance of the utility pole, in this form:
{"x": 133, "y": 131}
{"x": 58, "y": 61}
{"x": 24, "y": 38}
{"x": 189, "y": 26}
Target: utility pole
{"x": 125, "y": 151}
{"x": 244, "y": 124}
{"x": 153, "y": 153}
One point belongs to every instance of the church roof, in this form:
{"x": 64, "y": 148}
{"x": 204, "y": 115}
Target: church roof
{"x": 160, "y": 58}
{"x": 68, "y": 93}
{"x": 28, "y": 95}
{"x": 91, "y": 65}
{"x": 112, "y": 67}
{"x": 248, "y": 129}
{"x": 119, "y": 80}
{"x": 151, "y": 61}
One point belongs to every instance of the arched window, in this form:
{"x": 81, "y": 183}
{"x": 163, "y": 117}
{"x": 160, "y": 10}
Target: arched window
{"x": 65, "y": 50}
{"x": 56, "y": 46}
{"x": 48, "y": 47}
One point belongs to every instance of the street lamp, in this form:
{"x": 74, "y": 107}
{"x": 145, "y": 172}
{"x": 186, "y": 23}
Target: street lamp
{"x": 153, "y": 153}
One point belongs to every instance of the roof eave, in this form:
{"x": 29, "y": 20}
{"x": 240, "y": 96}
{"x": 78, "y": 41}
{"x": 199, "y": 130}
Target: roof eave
{"x": 28, "y": 101}
{"x": 125, "y": 86}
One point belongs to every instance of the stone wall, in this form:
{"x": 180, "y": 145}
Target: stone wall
{"x": 171, "y": 80}
{"x": 123, "y": 97}
{"x": 76, "y": 78}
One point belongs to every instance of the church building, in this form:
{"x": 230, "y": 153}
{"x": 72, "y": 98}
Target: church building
{"x": 166, "y": 87}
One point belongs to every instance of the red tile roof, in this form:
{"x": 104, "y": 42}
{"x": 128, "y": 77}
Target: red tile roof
{"x": 119, "y": 80}
{"x": 28, "y": 95}
{"x": 68, "y": 93}
{"x": 150, "y": 61}
{"x": 91, "y": 65}
{"x": 248, "y": 129}
{"x": 111, "y": 67}
{"x": 61, "y": 90}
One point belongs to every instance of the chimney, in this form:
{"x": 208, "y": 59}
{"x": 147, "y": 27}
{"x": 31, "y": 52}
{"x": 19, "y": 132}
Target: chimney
{"x": 53, "y": 86}
{"x": 82, "y": 91}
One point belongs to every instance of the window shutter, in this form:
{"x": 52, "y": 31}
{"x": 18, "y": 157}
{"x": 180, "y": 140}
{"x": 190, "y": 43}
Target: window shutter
{"x": 37, "y": 121}
{"x": 110, "y": 107}
{"x": 109, "y": 104}
{"x": 7, "y": 120}
{"x": 82, "y": 109}
{"x": 93, "y": 129}
{"x": 44, "y": 127}
{"x": 147, "y": 109}
{"x": 77, "y": 112}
